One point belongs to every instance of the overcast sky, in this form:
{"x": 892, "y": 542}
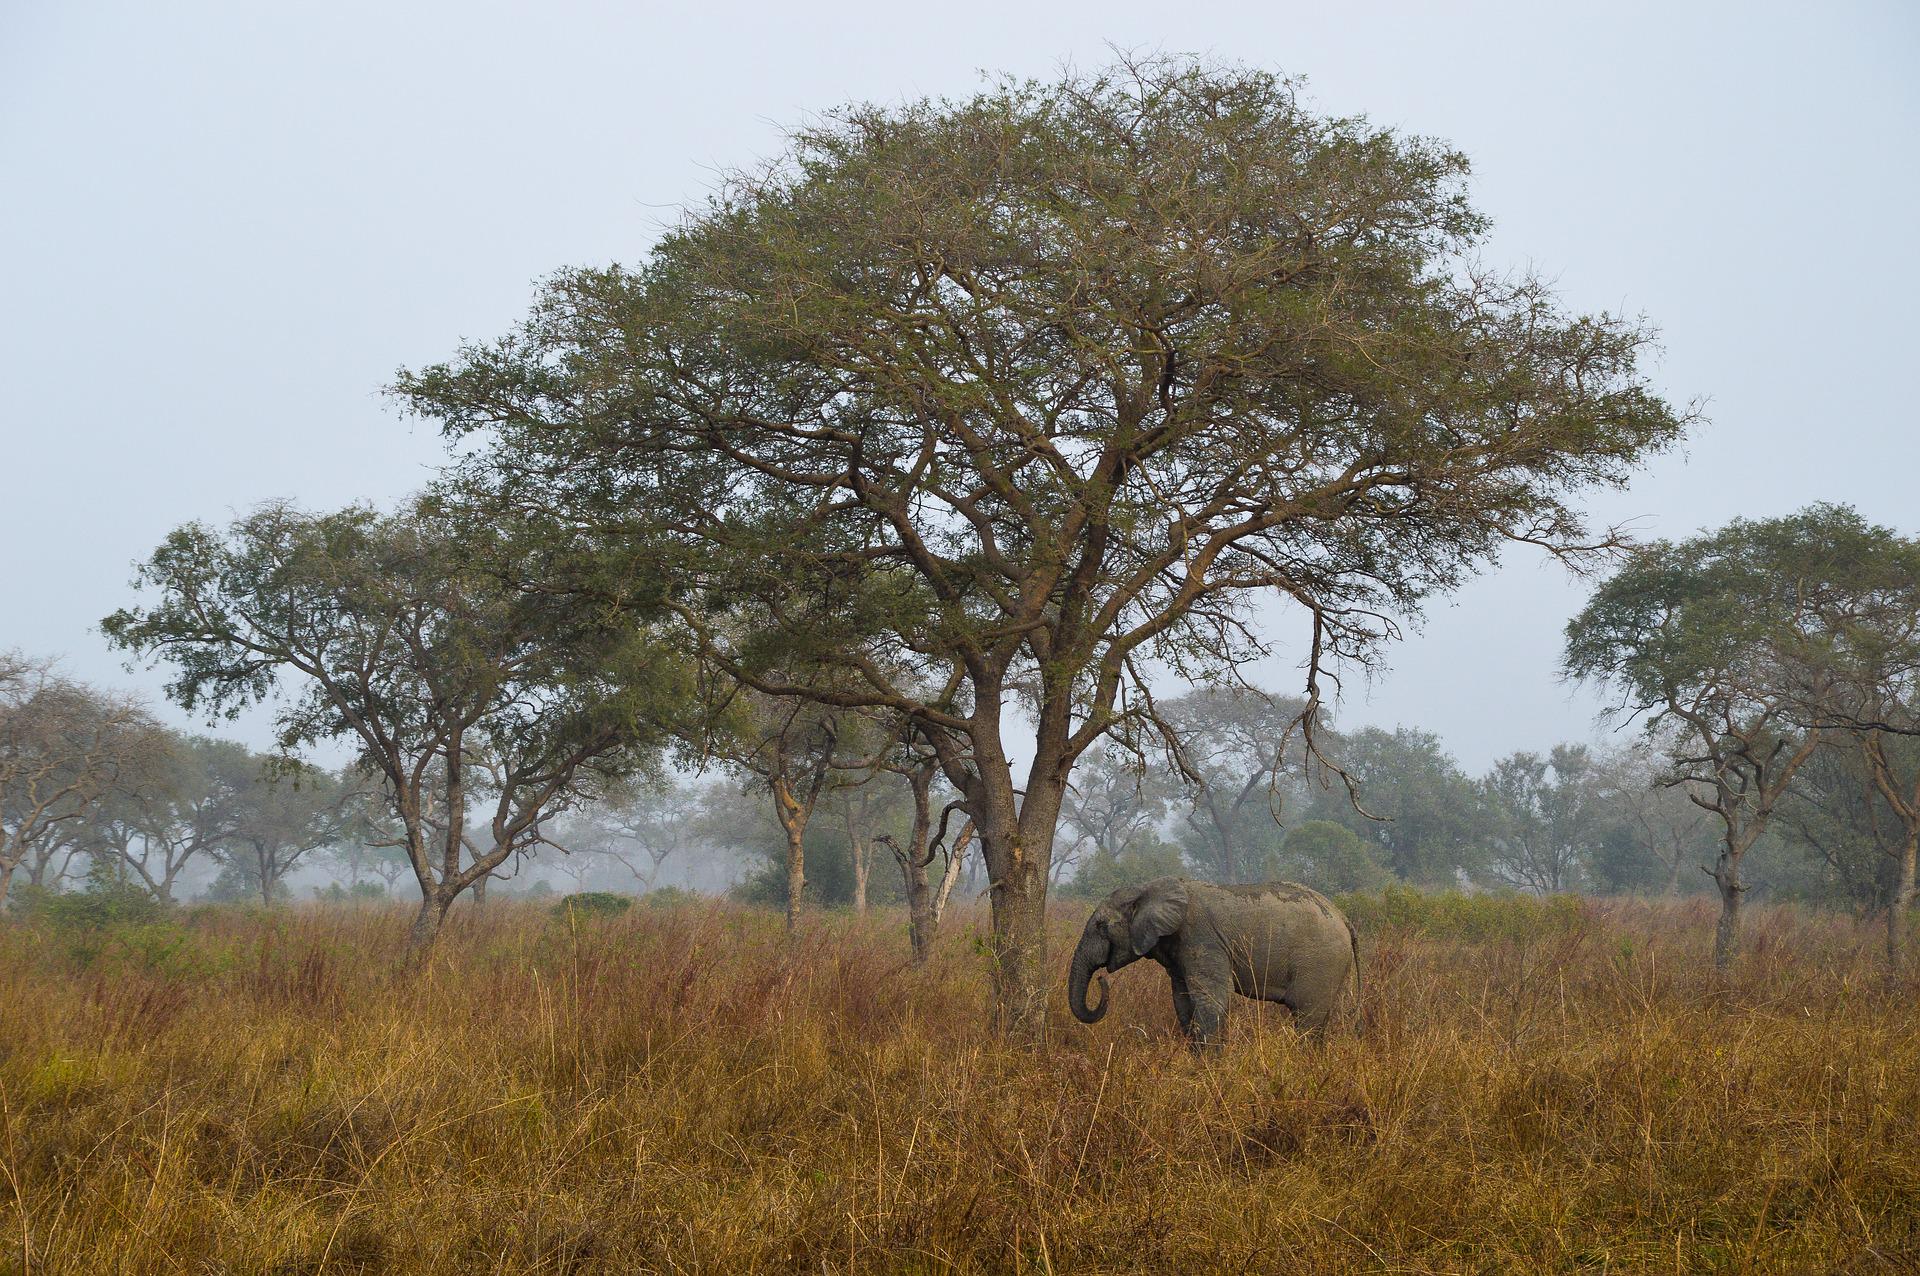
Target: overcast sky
{"x": 222, "y": 228}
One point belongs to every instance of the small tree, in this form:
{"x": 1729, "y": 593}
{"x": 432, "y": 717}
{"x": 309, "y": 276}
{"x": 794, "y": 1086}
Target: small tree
{"x": 1665, "y": 828}
{"x": 1033, "y": 393}
{"x": 1425, "y": 815}
{"x": 1116, "y": 798}
{"x": 285, "y": 812}
{"x": 184, "y": 799}
{"x": 926, "y": 841}
{"x": 790, "y": 744}
{"x": 1746, "y": 644}
{"x": 1548, "y": 817}
{"x": 1331, "y": 857}
{"x": 410, "y": 635}
{"x": 63, "y": 749}
{"x": 1242, "y": 757}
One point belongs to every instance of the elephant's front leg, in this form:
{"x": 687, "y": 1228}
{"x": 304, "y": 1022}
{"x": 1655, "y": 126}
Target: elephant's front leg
{"x": 1208, "y": 982}
{"x": 1182, "y": 1001}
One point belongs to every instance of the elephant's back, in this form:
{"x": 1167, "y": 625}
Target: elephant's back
{"x": 1292, "y": 895}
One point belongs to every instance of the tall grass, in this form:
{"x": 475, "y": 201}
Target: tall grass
{"x": 682, "y": 1090}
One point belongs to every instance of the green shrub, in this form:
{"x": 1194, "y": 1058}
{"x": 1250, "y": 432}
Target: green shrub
{"x": 671, "y": 897}
{"x": 104, "y": 903}
{"x": 358, "y": 893}
{"x": 1141, "y": 860}
{"x": 1455, "y": 915}
{"x": 590, "y": 904}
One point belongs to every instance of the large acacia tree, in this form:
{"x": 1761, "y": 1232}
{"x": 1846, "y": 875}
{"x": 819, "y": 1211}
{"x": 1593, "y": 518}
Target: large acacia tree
{"x": 1045, "y": 388}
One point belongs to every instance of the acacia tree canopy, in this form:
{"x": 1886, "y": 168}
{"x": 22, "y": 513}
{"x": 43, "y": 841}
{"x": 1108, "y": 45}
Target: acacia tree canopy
{"x": 1022, "y": 395}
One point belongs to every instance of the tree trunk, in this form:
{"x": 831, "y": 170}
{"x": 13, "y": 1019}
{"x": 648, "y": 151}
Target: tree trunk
{"x": 1019, "y": 896}
{"x": 859, "y": 849}
{"x": 1726, "y": 934}
{"x": 956, "y": 868}
{"x": 1900, "y": 908}
{"x": 1673, "y": 873}
{"x": 796, "y": 876}
{"x": 426, "y": 925}
{"x": 6, "y": 882}
{"x": 480, "y": 891}
{"x": 920, "y": 921}
{"x": 1018, "y": 852}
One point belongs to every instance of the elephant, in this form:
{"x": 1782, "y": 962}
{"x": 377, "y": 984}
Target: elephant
{"x": 1277, "y": 941}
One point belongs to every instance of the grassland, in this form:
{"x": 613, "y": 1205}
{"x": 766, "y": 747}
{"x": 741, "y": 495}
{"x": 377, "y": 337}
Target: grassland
{"x": 1557, "y": 1088}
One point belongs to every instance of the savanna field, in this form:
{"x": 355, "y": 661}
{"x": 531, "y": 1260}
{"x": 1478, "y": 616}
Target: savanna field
{"x": 1534, "y": 1087}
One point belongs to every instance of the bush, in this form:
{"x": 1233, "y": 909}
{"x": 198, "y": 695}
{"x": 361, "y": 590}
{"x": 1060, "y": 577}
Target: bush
{"x": 1333, "y": 858}
{"x": 1140, "y": 860}
{"x": 1454, "y": 915}
{"x": 104, "y": 903}
{"x": 671, "y": 897}
{"x": 591, "y": 904}
{"x": 358, "y": 893}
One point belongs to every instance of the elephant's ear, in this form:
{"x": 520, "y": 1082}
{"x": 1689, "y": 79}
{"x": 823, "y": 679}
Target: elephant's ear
{"x": 1162, "y": 907}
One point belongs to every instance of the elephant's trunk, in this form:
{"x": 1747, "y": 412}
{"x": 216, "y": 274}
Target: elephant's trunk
{"x": 1085, "y": 961}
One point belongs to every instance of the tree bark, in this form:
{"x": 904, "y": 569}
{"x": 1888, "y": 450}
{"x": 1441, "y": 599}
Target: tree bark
{"x": 1726, "y": 875}
{"x": 956, "y": 867}
{"x": 6, "y": 882}
{"x": 1726, "y": 933}
{"x": 860, "y": 870}
{"x": 426, "y": 925}
{"x": 1019, "y": 895}
{"x": 796, "y": 876}
{"x": 1018, "y": 853}
{"x": 1900, "y": 908}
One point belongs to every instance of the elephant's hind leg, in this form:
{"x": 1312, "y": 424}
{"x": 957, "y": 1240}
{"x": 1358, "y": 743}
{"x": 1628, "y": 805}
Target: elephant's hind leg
{"x": 1313, "y": 996}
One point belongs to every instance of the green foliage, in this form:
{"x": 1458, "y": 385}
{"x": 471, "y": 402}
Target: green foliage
{"x": 105, "y": 902}
{"x": 1431, "y": 825}
{"x": 590, "y": 905}
{"x": 671, "y": 897}
{"x": 1765, "y": 617}
{"x": 1331, "y": 858}
{"x": 1454, "y": 915}
{"x": 358, "y": 893}
{"x": 1141, "y": 859}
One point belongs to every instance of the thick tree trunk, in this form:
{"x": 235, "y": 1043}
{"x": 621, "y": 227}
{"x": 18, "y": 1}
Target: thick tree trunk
{"x": 426, "y": 925}
{"x": 1019, "y": 896}
{"x": 6, "y": 882}
{"x": 480, "y": 891}
{"x": 1900, "y": 909}
{"x": 1018, "y": 855}
{"x": 1673, "y": 874}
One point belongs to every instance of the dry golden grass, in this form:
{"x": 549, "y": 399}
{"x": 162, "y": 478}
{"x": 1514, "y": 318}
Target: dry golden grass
{"x": 681, "y": 1091}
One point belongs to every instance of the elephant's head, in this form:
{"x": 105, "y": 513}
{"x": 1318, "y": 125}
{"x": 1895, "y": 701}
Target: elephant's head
{"x": 1124, "y": 928}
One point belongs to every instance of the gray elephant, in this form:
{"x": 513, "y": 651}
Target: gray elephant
{"x": 1277, "y": 941}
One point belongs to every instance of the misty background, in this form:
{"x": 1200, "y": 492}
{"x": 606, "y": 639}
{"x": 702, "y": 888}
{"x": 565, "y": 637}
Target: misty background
{"x": 225, "y": 227}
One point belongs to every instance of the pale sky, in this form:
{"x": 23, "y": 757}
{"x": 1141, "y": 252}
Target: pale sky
{"x": 223, "y": 227}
